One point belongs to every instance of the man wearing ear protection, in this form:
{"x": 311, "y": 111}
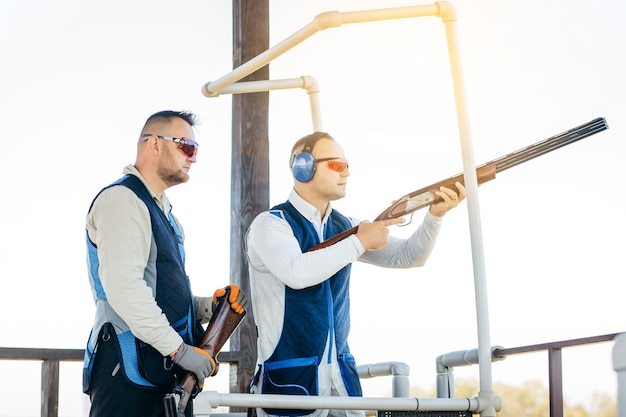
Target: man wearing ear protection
{"x": 300, "y": 299}
{"x": 148, "y": 323}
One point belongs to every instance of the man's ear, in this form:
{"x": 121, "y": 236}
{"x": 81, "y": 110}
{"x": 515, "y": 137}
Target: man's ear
{"x": 153, "y": 145}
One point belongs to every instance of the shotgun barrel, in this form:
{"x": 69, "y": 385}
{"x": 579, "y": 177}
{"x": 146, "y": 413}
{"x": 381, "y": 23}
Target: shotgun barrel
{"x": 426, "y": 196}
{"x": 548, "y": 145}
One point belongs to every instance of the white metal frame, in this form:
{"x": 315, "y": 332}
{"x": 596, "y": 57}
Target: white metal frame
{"x": 306, "y": 82}
{"x": 486, "y": 403}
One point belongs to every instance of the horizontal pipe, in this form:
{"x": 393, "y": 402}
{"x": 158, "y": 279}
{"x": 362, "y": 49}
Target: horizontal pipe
{"x": 400, "y": 385}
{"x": 339, "y": 403}
{"x": 383, "y": 369}
{"x": 337, "y": 19}
{"x": 463, "y": 358}
{"x": 306, "y": 82}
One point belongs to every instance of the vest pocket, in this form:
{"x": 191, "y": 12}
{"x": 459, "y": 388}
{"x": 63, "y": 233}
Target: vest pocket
{"x": 117, "y": 349}
{"x": 290, "y": 377}
{"x": 154, "y": 367}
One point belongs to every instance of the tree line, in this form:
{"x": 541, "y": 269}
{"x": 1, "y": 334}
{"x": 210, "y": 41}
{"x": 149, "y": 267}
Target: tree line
{"x": 531, "y": 399}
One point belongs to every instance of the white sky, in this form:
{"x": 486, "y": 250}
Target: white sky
{"x": 78, "y": 79}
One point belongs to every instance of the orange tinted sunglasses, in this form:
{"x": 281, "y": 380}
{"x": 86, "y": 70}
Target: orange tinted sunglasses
{"x": 335, "y": 163}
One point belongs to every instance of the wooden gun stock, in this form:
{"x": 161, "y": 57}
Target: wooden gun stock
{"x": 221, "y": 326}
{"x": 426, "y": 196}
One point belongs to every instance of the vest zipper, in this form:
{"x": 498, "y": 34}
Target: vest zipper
{"x": 331, "y": 320}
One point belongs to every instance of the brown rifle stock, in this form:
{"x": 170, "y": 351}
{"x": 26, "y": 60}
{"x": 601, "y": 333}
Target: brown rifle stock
{"x": 221, "y": 326}
{"x": 426, "y": 196}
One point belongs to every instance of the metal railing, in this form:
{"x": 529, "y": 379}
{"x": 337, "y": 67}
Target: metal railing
{"x": 51, "y": 359}
{"x": 555, "y": 364}
{"x": 447, "y": 362}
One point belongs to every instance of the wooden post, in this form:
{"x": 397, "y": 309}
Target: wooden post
{"x": 249, "y": 170}
{"x": 50, "y": 388}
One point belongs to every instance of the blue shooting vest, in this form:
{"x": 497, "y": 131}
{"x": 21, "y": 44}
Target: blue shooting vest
{"x": 310, "y": 316}
{"x": 144, "y": 366}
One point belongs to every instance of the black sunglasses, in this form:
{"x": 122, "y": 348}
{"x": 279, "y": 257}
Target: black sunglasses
{"x": 188, "y": 146}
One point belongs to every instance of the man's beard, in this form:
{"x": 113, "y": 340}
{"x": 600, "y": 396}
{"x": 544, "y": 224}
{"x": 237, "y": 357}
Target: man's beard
{"x": 169, "y": 175}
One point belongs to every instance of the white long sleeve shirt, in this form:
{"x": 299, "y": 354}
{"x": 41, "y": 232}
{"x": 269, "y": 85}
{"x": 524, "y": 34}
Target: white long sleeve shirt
{"x": 119, "y": 225}
{"x": 276, "y": 260}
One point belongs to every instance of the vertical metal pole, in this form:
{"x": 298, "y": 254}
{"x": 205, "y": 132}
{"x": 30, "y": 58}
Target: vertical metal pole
{"x": 555, "y": 369}
{"x": 619, "y": 366}
{"x": 471, "y": 185}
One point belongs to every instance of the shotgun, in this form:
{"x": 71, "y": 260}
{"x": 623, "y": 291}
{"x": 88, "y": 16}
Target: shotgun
{"x": 221, "y": 326}
{"x": 426, "y": 196}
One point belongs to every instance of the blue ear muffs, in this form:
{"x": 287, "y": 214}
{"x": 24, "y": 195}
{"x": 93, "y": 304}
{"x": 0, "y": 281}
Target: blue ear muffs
{"x": 303, "y": 167}
{"x": 303, "y": 164}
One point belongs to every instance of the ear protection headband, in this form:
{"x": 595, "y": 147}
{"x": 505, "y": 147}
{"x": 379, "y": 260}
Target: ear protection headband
{"x": 303, "y": 164}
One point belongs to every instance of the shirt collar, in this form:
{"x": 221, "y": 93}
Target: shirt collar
{"x": 163, "y": 202}
{"x": 308, "y": 210}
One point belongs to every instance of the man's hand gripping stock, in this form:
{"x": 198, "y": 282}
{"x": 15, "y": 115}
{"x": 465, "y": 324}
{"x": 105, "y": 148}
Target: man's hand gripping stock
{"x": 228, "y": 309}
{"x": 195, "y": 359}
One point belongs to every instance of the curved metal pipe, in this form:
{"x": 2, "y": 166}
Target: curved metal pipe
{"x": 306, "y": 82}
{"x": 400, "y": 386}
{"x": 324, "y": 21}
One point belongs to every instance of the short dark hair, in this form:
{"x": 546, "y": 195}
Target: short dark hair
{"x": 167, "y": 115}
